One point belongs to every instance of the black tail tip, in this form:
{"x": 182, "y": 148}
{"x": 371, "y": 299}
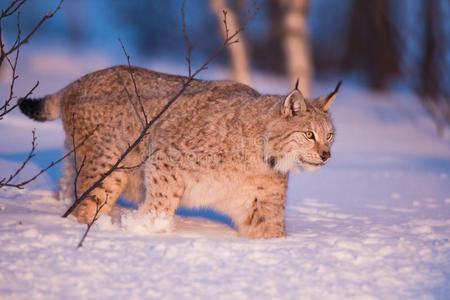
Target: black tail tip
{"x": 32, "y": 108}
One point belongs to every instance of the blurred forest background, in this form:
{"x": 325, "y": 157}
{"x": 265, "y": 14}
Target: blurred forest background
{"x": 382, "y": 44}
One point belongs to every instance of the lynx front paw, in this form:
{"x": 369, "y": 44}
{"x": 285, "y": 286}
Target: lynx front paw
{"x": 264, "y": 233}
{"x": 261, "y": 229}
{"x": 264, "y": 221}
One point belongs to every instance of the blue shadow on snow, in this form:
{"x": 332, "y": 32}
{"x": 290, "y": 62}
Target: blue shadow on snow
{"x": 44, "y": 157}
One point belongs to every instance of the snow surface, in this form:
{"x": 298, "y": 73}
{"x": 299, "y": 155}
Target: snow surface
{"x": 372, "y": 224}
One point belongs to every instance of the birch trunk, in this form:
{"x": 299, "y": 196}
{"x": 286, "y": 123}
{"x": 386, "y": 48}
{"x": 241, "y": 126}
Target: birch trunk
{"x": 5, "y": 70}
{"x": 296, "y": 43}
{"x": 240, "y": 70}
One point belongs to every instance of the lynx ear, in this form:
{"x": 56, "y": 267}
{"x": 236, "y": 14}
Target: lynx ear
{"x": 293, "y": 104}
{"x": 328, "y": 100}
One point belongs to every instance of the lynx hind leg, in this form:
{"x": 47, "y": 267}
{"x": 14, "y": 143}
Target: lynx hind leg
{"x": 66, "y": 183}
{"x": 108, "y": 191}
{"x": 163, "y": 188}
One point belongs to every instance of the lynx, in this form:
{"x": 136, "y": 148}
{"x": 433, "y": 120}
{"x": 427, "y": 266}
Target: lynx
{"x": 220, "y": 145}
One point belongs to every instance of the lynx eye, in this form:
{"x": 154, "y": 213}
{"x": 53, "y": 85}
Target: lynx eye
{"x": 330, "y": 136}
{"x": 309, "y": 135}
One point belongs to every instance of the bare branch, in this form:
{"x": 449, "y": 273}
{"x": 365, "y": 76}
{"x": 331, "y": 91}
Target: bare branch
{"x": 18, "y": 44}
{"x": 189, "y": 47}
{"x": 130, "y": 99}
{"x": 53, "y": 163}
{"x": 125, "y": 168}
{"x": 134, "y": 84}
{"x": 251, "y": 13}
{"x": 7, "y": 107}
{"x": 4, "y": 181}
{"x": 11, "y": 9}
{"x": 11, "y": 96}
{"x": 4, "y": 108}
{"x": 13, "y": 66}
{"x": 77, "y": 173}
{"x": 75, "y": 160}
{"x": 4, "y": 54}
{"x": 97, "y": 211}
{"x": 227, "y": 31}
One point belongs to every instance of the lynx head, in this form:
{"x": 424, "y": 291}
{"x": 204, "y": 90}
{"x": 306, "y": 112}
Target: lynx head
{"x": 302, "y": 135}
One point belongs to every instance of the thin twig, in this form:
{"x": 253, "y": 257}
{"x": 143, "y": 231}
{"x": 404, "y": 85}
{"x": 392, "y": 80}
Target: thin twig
{"x": 77, "y": 174}
{"x": 227, "y": 31}
{"x": 13, "y": 65}
{"x": 97, "y": 211}
{"x": 31, "y": 154}
{"x": 189, "y": 47}
{"x": 130, "y": 99}
{"x": 47, "y": 16}
{"x": 75, "y": 160}
{"x": 125, "y": 168}
{"x": 4, "y": 53}
{"x": 11, "y": 9}
{"x": 6, "y": 107}
{"x": 7, "y": 110}
{"x": 53, "y": 163}
{"x": 229, "y": 40}
{"x": 134, "y": 84}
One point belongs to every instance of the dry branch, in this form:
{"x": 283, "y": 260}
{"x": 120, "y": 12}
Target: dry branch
{"x": 7, "y": 182}
{"x": 11, "y": 10}
{"x": 97, "y": 211}
{"x": 145, "y": 121}
{"x": 7, "y": 106}
{"x": 15, "y": 48}
{"x": 189, "y": 47}
{"x": 75, "y": 159}
{"x": 228, "y": 20}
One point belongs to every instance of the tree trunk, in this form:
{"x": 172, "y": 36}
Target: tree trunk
{"x": 371, "y": 46}
{"x": 238, "y": 51}
{"x": 296, "y": 44}
{"x": 5, "y": 70}
{"x": 433, "y": 87}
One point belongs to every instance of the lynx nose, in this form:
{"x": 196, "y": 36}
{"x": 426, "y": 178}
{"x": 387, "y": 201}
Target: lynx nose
{"x": 325, "y": 155}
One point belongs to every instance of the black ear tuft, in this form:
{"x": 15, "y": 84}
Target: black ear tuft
{"x": 296, "y": 83}
{"x": 337, "y": 87}
{"x": 328, "y": 100}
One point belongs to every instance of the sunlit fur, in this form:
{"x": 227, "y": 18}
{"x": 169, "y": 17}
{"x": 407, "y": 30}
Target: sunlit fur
{"x": 287, "y": 142}
{"x": 220, "y": 145}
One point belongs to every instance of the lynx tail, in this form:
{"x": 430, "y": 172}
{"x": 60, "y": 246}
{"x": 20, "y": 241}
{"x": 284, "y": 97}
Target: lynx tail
{"x": 41, "y": 109}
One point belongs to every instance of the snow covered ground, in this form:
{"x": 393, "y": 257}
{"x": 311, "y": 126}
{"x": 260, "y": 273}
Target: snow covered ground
{"x": 372, "y": 224}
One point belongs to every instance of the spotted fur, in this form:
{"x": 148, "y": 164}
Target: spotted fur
{"x": 220, "y": 145}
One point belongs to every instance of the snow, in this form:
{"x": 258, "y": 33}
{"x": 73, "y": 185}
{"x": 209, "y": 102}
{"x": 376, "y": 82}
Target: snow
{"x": 144, "y": 224}
{"x": 372, "y": 224}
